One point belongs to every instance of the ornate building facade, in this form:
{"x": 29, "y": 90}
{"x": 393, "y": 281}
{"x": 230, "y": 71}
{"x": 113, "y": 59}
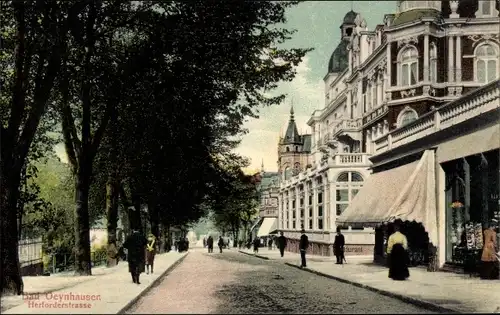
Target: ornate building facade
{"x": 380, "y": 85}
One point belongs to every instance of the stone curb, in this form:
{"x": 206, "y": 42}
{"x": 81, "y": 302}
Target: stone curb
{"x": 254, "y": 255}
{"x": 407, "y": 299}
{"x": 152, "y": 285}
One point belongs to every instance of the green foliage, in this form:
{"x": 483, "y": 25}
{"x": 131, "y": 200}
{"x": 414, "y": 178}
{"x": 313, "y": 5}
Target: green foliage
{"x": 51, "y": 215}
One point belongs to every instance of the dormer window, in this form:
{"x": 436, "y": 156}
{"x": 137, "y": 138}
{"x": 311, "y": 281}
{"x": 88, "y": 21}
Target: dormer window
{"x": 486, "y": 65}
{"x": 408, "y": 66}
{"x": 486, "y": 8}
{"x": 407, "y": 116}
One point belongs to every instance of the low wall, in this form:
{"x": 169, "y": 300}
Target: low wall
{"x": 35, "y": 269}
{"x": 358, "y": 242}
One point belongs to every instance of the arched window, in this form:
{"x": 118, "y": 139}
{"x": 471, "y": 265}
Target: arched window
{"x": 343, "y": 177}
{"x": 288, "y": 173}
{"x": 486, "y": 69}
{"x": 407, "y": 116}
{"x": 408, "y": 66}
{"x": 433, "y": 63}
{"x": 296, "y": 149}
{"x": 348, "y": 185}
{"x": 287, "y": 149}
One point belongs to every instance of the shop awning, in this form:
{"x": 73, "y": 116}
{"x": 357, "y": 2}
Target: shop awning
{"x": 256, "y": 224}
{"x": 406, "y": 192}
{"x": 482, "y": 140}
{"x": 269, "y": 225}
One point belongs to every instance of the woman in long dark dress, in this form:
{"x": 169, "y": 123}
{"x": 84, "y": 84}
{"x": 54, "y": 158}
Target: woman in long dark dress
{"x": 397, "y": 247}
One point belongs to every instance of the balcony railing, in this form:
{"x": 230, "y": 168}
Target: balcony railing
{"x": 347, "y": 159}
{"x": 473, "y": 104}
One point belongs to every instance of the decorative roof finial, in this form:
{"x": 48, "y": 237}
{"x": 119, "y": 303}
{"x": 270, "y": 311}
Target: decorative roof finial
{"x": 291, "y": 111}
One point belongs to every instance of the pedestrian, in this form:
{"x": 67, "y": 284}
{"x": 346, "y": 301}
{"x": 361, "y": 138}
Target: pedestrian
{"x": 240, "y": 244}
{"x": 150, "y": 253}
{"x": 397, "y": 247}
{"x": 303, "y": 245}
{"x": 256, "y": 244}
{"x": 270, "y": 244}
{"x": 489, "y": 259}
{"x": 338, "y": 246}
{"x": 220, "y": 243}
{"x": 186, "y": 248}
{"x": 204, "y": 242}
{"x": 135, "y": 245}
{"x": 282, "y": 243}
{"x": 210, "y": 244}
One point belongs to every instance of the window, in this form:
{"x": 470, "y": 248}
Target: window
{"x": 293, "y": 225}
{"x": 433, "y": 63}
{"x": 287, "y": 224}
{"x": 310, "y": 224}
{"x": 356, "y": 177}
{"x": 293, "y": 214}
{"x": 288, "y": 172}
{"x": 310, "y": 211}
{"x": 408, "y": 66}
{"x": 301, "y": 202}
{"x": 302, "y": 213}
{"x": 320, "y": 211}
{"x": 348, "y": 185}
{"x": 310, "y": 200}
{"x": 287, "y": 149}
{"x": 343, "y": 177}
{"x": 320, "y": 224}
{"x": 406, "y": 117}
{"x": 341, "y": 207}
{"x": 293, "y": 204}
{"x": 342, "y": 194}
{"x": 486, "y": 63}
{"x": 320, "y": 197}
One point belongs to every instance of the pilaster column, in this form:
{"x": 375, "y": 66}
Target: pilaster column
{"x": 290, "y": 209}
{"x": 315, "y": 205}
{"x": 389, "y": 68}
{"x": 451, "y": 57}
{"x": 332, "y": 207}
{"x": 280, "y": 209}
{"x": 380, "y": 90}
{"x": 349, "y": 104}
{"x": 458, "y": 60}
{"x": 426, "y": 57}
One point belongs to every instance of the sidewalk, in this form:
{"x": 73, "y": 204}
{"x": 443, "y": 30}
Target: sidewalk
{"x": 107, "y": 291}
{"x": 441, "y": 291}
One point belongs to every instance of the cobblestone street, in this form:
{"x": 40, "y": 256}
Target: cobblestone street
{"x": 235, "y": 283}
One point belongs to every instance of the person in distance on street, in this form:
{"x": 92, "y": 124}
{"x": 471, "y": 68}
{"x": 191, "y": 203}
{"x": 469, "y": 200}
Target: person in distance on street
{"x": 220, "y": 243}
{"x": 338, "y": 246}
{"x": 282, "y": 243}
{"x": 150, "y": 253}
{"x": 210, "y": 244}
{"x": 489, "y": 259}
{"x": 135, "y": 245}
{"x": 303, "y": 245}
{"x": 256, "y": 244}
{"x": 397, "y": 246}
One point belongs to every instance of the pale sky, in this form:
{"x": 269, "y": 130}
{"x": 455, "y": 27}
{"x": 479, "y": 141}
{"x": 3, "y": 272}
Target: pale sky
{"x": 318, "y": 26}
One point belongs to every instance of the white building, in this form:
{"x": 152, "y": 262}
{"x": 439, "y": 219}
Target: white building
{"x": 413, "y": 77}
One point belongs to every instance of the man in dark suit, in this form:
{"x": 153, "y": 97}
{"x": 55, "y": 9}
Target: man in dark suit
{"x": 135, "y": 245}
{"x": 282, "y": 244}
{"x": 303, "y": 245}
{"x": 338, "y": 246}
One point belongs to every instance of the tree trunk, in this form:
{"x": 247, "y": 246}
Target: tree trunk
{"x": 12, "y": 282}
{"x": 112, "y": 214}
{"x": 83, "y": 264}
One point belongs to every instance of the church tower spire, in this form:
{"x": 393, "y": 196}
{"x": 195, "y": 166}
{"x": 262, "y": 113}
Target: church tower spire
{"x": 292, "y": 134}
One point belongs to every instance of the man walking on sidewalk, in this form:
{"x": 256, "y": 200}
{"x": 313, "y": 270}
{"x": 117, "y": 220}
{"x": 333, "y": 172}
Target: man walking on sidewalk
{"x": 220, "y": 243}
{"x": 282, "y": 243}
{"x": 135, "y": 245}
{"x": 303, "y": 245}
{"x": 338, "y": 246}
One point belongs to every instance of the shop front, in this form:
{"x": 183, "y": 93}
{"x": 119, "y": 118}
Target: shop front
{"x": 472, "y": 205}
